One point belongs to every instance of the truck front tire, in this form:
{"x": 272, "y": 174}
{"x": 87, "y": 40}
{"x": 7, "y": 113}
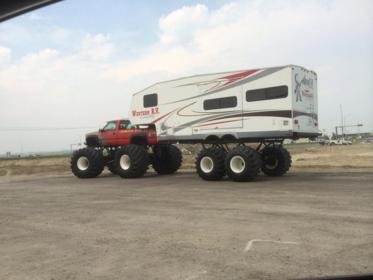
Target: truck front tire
{"x": 167, "y": 159}
{"x": 276, "y": 160}
{"x": 243, "y": 164}
{"x": 131, "y": 161}
{"x": 87, "y": 163}
{"x": 210, "y": 164}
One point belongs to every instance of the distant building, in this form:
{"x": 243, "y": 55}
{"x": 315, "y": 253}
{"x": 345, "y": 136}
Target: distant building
{"x": 363, "y": 135}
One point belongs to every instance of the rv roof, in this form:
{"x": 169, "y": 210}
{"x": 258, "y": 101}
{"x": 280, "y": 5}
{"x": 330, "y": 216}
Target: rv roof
{"x": 216, "y": 73}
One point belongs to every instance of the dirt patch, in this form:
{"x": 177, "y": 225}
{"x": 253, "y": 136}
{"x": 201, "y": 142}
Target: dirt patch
{"x": 350, "y": 157}
{"x": 55, "y": 165}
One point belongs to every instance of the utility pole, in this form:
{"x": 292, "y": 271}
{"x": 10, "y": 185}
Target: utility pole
{"x": 342, "y": 124}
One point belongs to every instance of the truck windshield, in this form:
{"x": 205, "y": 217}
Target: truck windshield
{"x": 109, "y": 126}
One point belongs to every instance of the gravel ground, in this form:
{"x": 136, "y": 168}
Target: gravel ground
{"x": 304, "y": 224}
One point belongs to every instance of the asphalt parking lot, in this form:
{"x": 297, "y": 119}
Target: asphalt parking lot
{"x": 179, "y": 227}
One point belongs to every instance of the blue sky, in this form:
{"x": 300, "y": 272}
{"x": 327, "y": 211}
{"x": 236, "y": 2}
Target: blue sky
{"x": 131, "y": 24}
{"x": 76, "y": 63}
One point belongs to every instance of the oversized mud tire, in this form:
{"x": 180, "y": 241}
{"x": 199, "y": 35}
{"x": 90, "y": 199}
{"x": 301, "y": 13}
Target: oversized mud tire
{"x": 243, "y": 164}
{"x": 167, "y": 159}
{"x": 87, "y": 163}
{"x": 111, "y": 167}
{"x": 276, "y": 160}
{"x": 210, "y": 164}
{"x": 131, "y": 161}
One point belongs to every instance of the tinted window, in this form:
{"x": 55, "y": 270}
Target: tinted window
{"x": 124, "y": 124}
{"x": 150, "y": 100}
{"x": 211, "y": 104}
{"x": 220, "y": 103}
{"x": 266, "y": 93}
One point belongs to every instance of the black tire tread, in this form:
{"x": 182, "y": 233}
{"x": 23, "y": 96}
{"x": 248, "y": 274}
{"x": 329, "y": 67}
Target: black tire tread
{"x": 96, "y": 163}
{"x": 167, "y": 159}
{"x": 253, "y": 163}
{"x": 218, "y": 156}
{"x": 139, "y": 161}
{"x": 284, "y": 160}
{"x": 112, "y": 168}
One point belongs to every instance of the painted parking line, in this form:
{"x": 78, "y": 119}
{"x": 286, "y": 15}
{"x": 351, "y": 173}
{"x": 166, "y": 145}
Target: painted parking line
{"x": 252, "y": 241}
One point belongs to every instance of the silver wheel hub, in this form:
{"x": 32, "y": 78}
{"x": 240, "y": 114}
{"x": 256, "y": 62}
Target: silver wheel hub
{"x": 237, "y": 164}
{"x": 125, "y": 162}
{"x": 82, "y": 163}
{"x": 206, "y": 164}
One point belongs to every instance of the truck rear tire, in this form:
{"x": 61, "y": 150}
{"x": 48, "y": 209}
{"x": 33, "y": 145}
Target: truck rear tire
{"x": 276, "y": 160}
{"x": 131, "y": 161}
{"x": 243, "y": 164}
{"x": 87, "y": 163}
{"x": 210, "y": 164}
{"x": 167, "y": 159}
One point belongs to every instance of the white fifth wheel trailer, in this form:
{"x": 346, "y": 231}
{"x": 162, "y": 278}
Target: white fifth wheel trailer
{"x": 221, "y": 111}
{"x": 249, "y": 105}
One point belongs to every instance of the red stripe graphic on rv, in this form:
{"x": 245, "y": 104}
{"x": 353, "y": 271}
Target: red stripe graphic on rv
{"x": 234, "y": 77}
{"x": 178, "y": 110}
{"x": 224, "y": 81}
{"x": 163, "y": 116}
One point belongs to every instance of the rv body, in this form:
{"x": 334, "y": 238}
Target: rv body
{"x": 248, "y": 105}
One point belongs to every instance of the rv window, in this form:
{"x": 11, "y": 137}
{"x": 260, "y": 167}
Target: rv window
{"x": 256, "y": 95}
{"x": 150, "y": 100}
{"x": 266, "y": 93}
{"x": 220, "y": 103}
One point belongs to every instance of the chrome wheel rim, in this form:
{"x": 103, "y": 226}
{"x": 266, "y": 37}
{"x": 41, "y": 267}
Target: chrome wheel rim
{"x": 207, "y": 164}
{"x": 125, "y": 162}
{"x": 82, "y": 163}
{"x": 237, "y": 164}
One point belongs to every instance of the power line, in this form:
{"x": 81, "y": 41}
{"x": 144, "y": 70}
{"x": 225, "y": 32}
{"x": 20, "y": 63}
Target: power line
{"x": 44, "y": 128}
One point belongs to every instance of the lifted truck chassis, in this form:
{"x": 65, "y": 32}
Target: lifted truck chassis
{"x": 214, "y": 161}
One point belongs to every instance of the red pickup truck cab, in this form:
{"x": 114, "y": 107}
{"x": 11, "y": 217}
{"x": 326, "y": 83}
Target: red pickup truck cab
{"x": 120, "y": 133}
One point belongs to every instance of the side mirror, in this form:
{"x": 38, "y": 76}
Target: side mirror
{"x": 101, "y": 130}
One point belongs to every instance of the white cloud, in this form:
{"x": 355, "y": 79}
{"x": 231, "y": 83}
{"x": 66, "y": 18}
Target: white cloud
{"x": 182, "y": 21}
{"x": 5, "y": 54}
{"x": 97, "y": 46}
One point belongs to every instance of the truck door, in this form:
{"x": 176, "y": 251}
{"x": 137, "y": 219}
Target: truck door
{"x": 124, "y": 132}
{"x": 109, "y": 133}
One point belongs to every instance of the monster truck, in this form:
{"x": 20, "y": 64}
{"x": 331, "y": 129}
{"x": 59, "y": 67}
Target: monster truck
{"x": 126, "y": 150}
